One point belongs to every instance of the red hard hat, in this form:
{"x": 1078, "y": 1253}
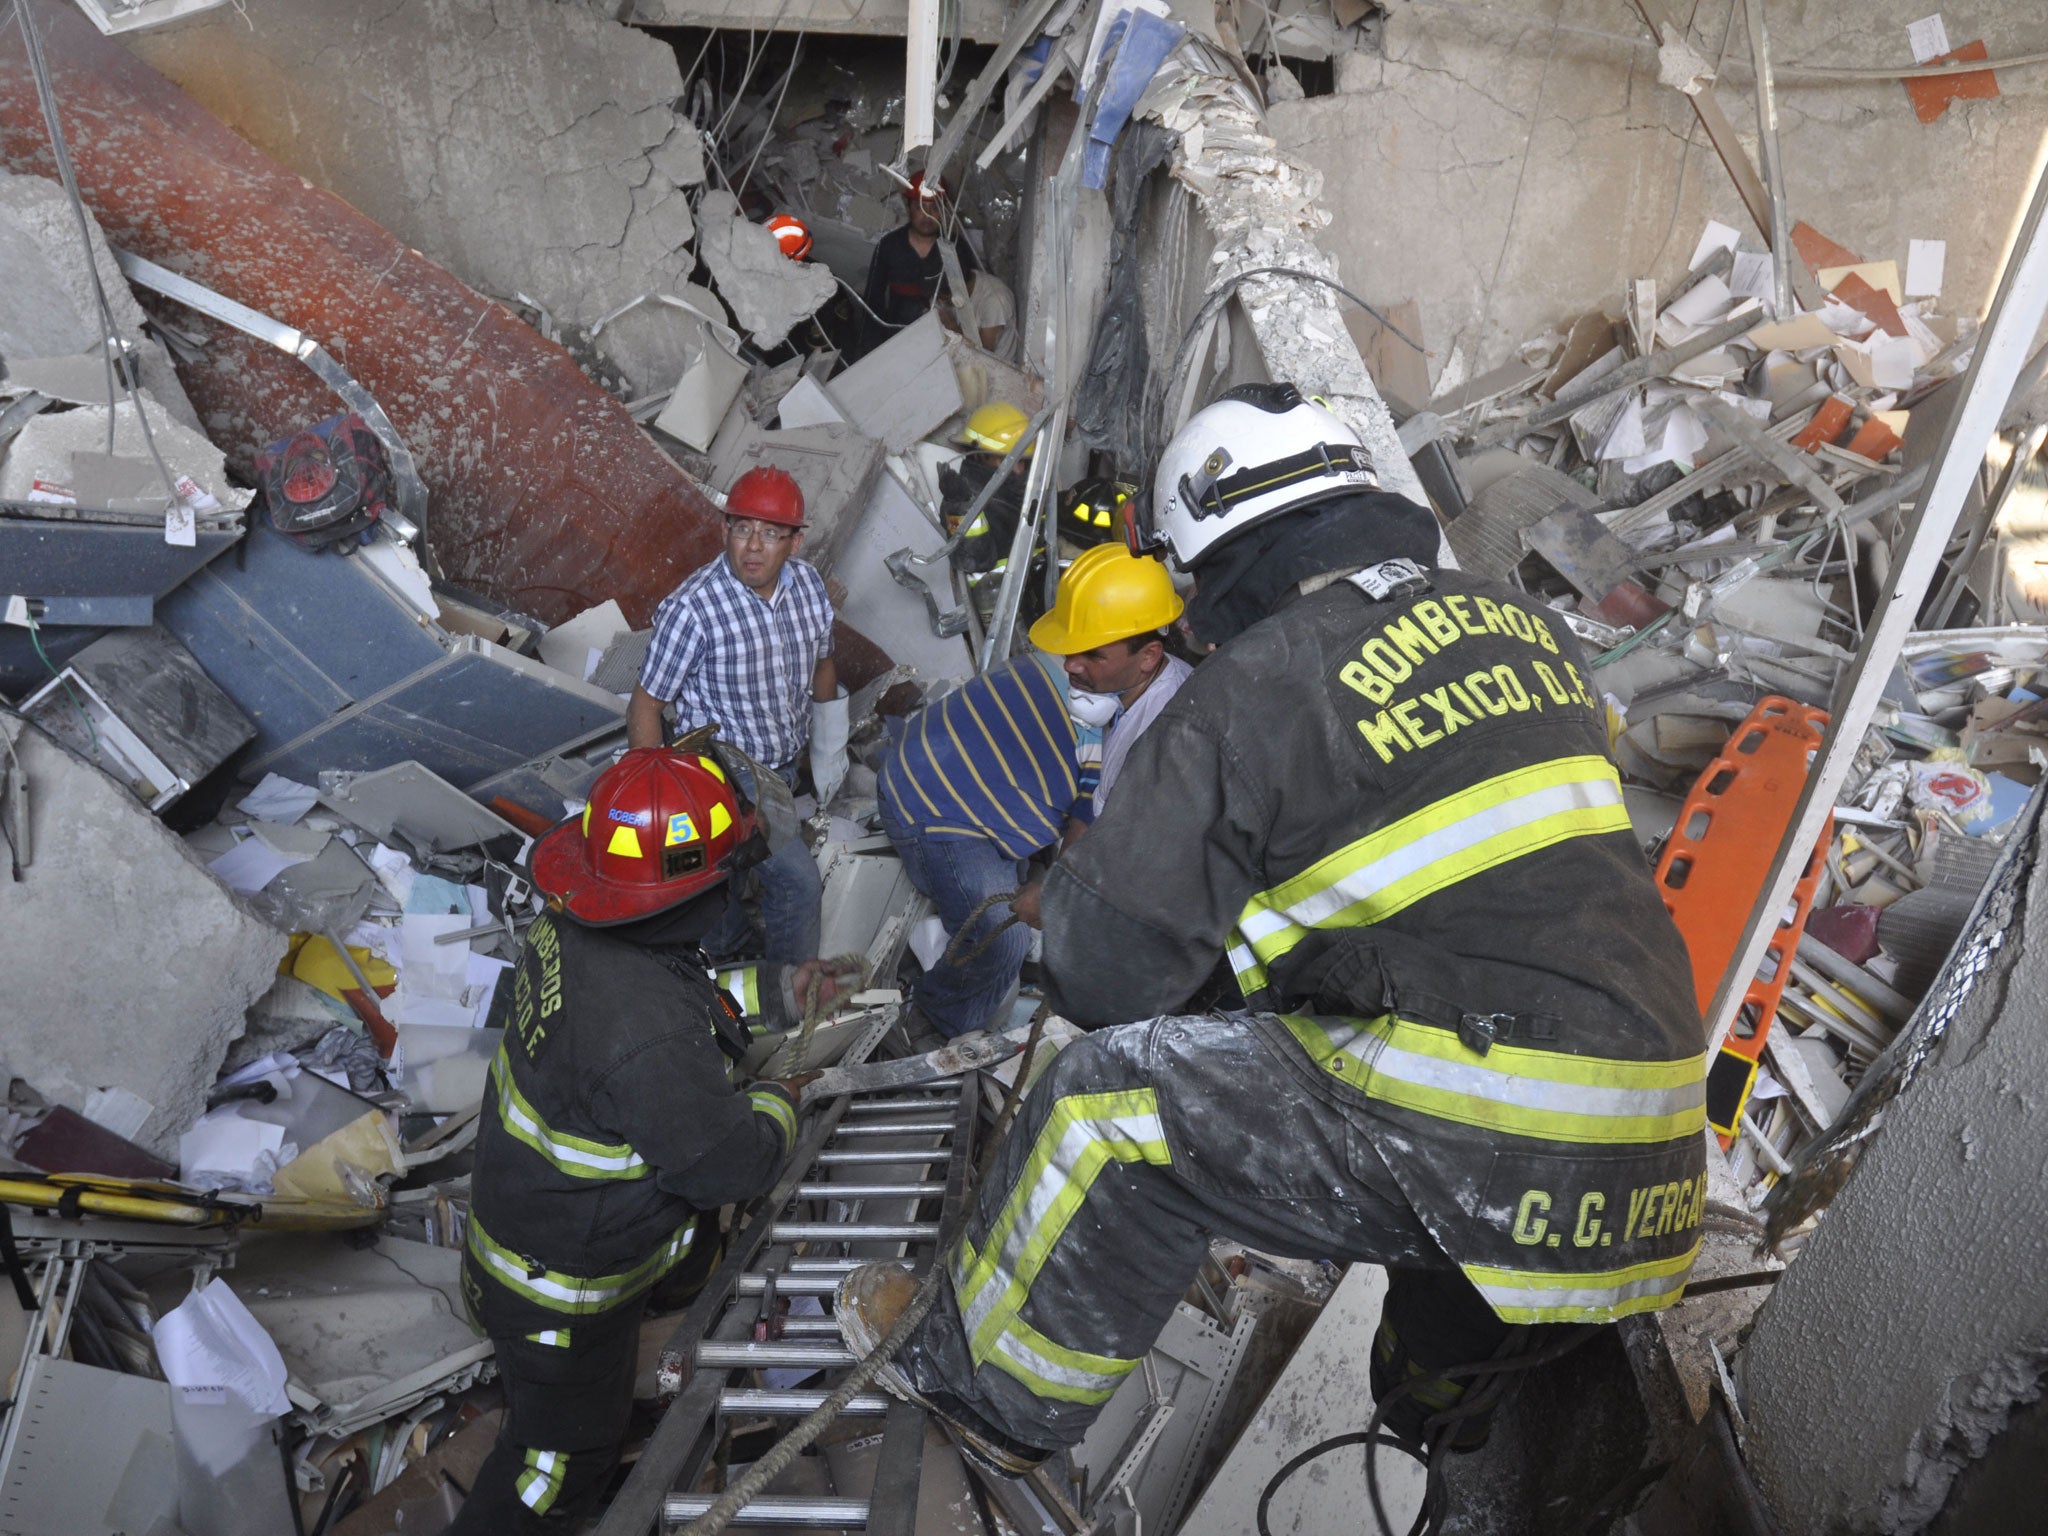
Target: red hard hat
{"x": 791, "y": 235}
{"x": 767, "y": 494}
{"x": 916, "y": 189}
{"x": 659, "y": 829}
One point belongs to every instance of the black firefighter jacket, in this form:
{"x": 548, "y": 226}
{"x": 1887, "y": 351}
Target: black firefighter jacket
{"x": 1399, "y": 821}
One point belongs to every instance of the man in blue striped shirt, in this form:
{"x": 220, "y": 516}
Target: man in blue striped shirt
{"x": 746, "y": 641}
{"x": 1005, "y": 766}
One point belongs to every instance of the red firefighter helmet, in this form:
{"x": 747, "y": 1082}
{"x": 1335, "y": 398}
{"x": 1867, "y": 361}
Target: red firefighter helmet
{"x": 917, "y": 191}
{"x": 660, "y": 828}
{"x": 792, "y": 235}
{"x": 768, "y": 495}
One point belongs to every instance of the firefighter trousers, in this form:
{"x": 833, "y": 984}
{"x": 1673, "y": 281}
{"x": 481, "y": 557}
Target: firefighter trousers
{"x": 1137, "y": 1146}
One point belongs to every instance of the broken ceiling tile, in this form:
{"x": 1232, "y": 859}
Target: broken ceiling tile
{"x": 127, "y": 965}
{"x": 405, "y": 798}
{"x": 1876, "y": 305}
{"x": 1795, "y": 335}
{"x": 577, "y": 646}
{"x": 1931, "y": 94}
{"x": 1882, "y": 275}
{"x": 903, "y": 389}
{"x": 1874, "y": 440}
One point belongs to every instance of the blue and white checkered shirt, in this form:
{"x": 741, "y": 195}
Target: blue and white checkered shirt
{"x": 721, "y": 653}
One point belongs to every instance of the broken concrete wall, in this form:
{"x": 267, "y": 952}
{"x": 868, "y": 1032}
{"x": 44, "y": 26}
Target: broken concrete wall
{"x": 1916, "y": 1317}
{"x": 123, "y": 963}
{"x": 530, "y": 147}
{"x": 1512, "y": 166}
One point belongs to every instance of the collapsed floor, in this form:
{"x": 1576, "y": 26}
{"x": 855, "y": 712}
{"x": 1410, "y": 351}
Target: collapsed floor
{"x": 292, "y": 790}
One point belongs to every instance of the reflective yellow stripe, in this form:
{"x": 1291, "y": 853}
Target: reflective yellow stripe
{"x": 553, "y": 1338}
{"x": 1601, "y": 1296}
{"x": 575, "y": 1294}
{"x": 1052, "y": 1370}
{"x": 576, "y": 1156}
{"x": 767, "y": 1101}
{"x": 741, "y": 983}
{"x": 1084, "y": 1134}
{"x": 1545, "y": 1094}
{"x": 1462, "y": 835}
{"x": 540, "y": 1484}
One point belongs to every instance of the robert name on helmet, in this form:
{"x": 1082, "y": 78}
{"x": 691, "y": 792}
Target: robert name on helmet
{"x": 746, "y": 642}
{"x": 1006, "y": 766}
{"x": 1471, "y": 1049}
{"x": 612, "y": 1131}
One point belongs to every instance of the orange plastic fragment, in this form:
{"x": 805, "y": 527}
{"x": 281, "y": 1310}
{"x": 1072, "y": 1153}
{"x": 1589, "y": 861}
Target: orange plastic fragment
{"x": 1874, "y": 440}
{"x": 1932, "y": 93}
{"x": 1817, "y": 250}
{"x": 1874, "y": 304}
{"x": 1827, "y": 424}
{"x": 1714, "y": 866}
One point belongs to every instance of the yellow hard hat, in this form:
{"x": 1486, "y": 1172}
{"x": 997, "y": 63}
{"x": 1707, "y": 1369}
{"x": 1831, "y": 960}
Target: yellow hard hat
{"x": 996, "y": 427}
{"x": 1107, "y": 594}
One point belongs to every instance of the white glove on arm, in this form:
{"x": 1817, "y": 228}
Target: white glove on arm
{"x": 830, "y": 724}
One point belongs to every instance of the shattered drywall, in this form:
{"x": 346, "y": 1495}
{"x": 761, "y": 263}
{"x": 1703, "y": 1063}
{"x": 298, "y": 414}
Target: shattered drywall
{"x": 1915, "y": 1313}
{"x": 1513, "y": 165}
{"x": 46, "y": 302}
{"x": 123, "y": 963}
{"x": 529, "y": 147}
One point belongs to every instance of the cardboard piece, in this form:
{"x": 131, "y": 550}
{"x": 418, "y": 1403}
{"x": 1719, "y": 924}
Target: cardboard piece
{"x": 1931, "y": 94}
{"x": 1590, "y": 339}
{"x": 576, "y": 647}
{"x": 1795, "y": 335}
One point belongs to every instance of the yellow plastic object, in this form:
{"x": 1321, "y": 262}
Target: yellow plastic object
{"x": 996, "y": 427}
{"x": 1107, "y": 594}
{"x": 172, "y": 1205}
{"x": 313, "y": 960}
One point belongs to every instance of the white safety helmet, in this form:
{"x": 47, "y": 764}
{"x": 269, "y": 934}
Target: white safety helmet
{"x": 1259, "y": 450}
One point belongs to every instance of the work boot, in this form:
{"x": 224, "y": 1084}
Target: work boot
{"x": 866, "y": 1306}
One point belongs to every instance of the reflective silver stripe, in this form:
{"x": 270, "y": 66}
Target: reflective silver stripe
{"x": 1476, "y": 1080}
{"x": 563, "y": 1152}
{"x": 1072, "y": 1377}
{"x": 1530, "y": 1297}
{"x": 1054, "y": 1172}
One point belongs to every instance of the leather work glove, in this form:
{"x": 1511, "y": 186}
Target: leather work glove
{"x": 829, "y": 727}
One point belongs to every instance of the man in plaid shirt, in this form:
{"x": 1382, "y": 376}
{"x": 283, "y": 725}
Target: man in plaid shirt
{"x": 746, "y": 641}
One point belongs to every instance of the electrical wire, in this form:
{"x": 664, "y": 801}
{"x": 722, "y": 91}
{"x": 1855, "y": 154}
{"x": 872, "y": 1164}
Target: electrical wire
{"x": 35, "y": 638}
{"x": 768, "y": 127}
{"x": 1489, "y": 1388}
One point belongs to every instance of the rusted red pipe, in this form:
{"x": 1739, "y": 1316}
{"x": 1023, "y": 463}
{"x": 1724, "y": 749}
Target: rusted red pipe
{"x": 544, "y": 494}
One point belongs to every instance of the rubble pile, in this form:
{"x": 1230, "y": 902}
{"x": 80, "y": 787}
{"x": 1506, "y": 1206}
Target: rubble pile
{"x": 1711, "y": 496}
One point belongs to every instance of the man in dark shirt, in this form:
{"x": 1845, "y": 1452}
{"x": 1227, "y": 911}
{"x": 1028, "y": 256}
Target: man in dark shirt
{"x": 907, "y": 268}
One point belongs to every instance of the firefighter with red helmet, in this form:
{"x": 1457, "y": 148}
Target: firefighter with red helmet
{"x": 611, "y": 1131}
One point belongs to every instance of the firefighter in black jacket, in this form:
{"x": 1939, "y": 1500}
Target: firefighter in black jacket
{"x": 1471, "y": 1051}
{"x": 611, "y": 1131}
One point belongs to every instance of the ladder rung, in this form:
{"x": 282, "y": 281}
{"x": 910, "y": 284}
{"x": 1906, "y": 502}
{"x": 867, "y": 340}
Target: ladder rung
{"x": 923, "y": 1157}
{"x": 790, "y": 1285}
{"x": 729, "y": 1354}
{"x": 772, "y": 1509}
{"x": 852, "y": 1231}
{"x": 865, "y": 1191}
{"x": 790, "y": 1405}
{"x": 902, "y": 1106}
{"x": 812, "y": 1264}
{"x": 903, "y": 1128}
{"x": 809, "y": 1327}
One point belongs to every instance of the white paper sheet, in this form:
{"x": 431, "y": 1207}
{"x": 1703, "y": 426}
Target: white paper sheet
{"x": 1753, "y": 276}
{"x": 1928, "y": 38}
{"x": 278, "y": 799}
{"x": 224, "y": 1145}
{"x": 1925, "y": 260}
{"x": 485, "y": 971}
{"x": 427, "y": 969}
{"x": 252, "y": 864}
{"x": 211, "y": 1341}
{"x": 118, "y": 1110}
{"x": 1715, "y": 237}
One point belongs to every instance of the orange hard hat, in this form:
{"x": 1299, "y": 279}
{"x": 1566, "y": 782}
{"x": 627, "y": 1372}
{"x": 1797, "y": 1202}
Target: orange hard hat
{"x": 767, "y": 494}
{"x": 791, "y": 235}
{"x": 661, "y": 827}
{"x": 916, "y": 190}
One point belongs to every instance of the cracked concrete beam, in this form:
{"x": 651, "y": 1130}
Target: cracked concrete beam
{"x": 509, "y": 141}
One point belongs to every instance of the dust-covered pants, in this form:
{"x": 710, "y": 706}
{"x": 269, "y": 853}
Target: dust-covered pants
{"x": 568, "y": 1400}
{"x": 1138, "y": 1144}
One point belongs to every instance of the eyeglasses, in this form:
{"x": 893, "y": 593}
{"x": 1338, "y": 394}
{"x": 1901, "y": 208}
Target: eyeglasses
{"x": 744, "y": 530}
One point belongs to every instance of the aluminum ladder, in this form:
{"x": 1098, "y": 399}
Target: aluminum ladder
{"x": 872, "y": 1176}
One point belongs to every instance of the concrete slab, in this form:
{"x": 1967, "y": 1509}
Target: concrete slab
{"x": 766, "y": 291}
{"x": 530, "y": 148}
{"x": 123, "y": 963}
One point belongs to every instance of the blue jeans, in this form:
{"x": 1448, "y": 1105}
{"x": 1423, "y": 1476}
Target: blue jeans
{"x": 958, "y": 874}
{"x": 792, "y": 899}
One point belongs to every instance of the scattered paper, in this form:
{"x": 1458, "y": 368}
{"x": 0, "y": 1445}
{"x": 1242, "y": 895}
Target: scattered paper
{"x": 1702, "y": 304}
{"x": 427, "y": 969}
{"x": 1879, "y": 274}
{"x": 394, "y": 870}
{"x": 928, "y": 942}
{"x": 252, "y": 864}
{"x": 180, "y": 527}
{"x": 1715, "y": 238}
{"x": 1679, "y": 441}
{"x": 1924, "y": 262}
{"x": 1928, "y": 38}
{"x": 278, "y": 799}
{"x": 225, "y": 1151}
{"x": 118, "y": 1110}
{"x": 211, "y": 1342}
{"x": 1754, "y": 275}
{"x": 484, "y": 974}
